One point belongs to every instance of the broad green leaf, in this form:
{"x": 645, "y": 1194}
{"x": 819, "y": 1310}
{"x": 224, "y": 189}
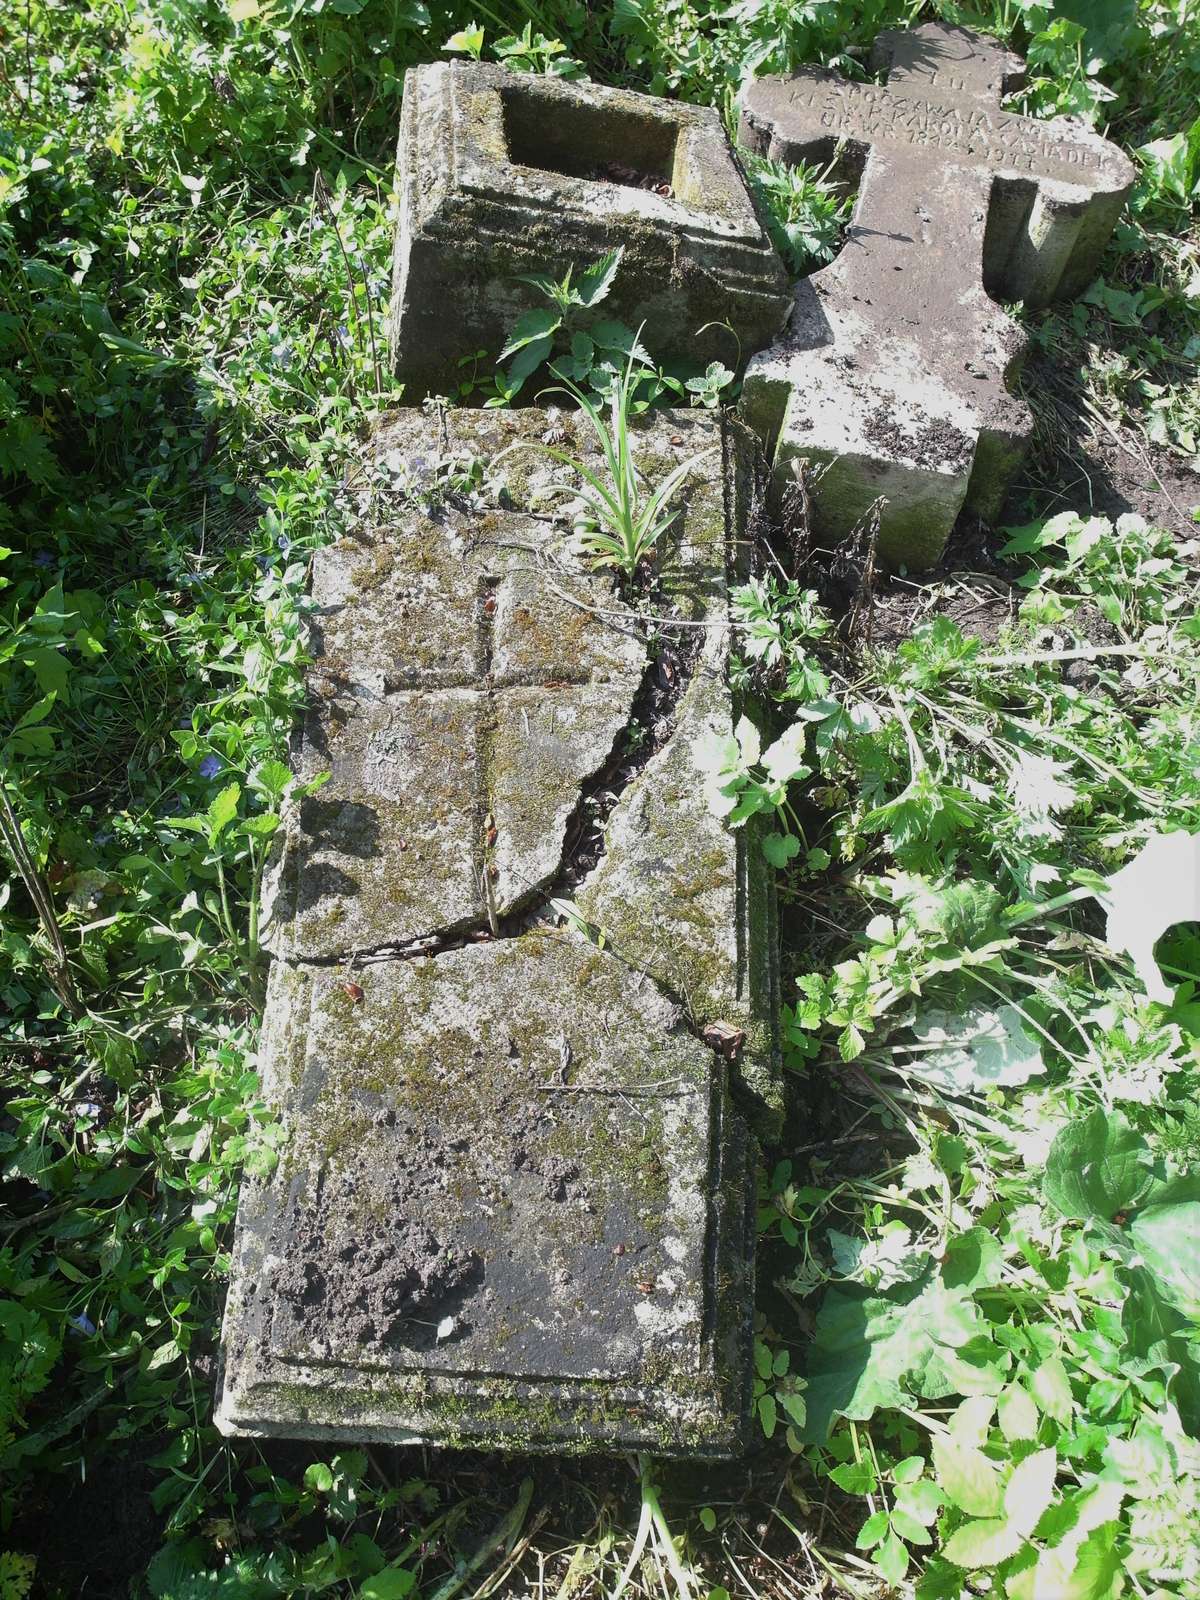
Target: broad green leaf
{"x": 749, "y": 741}
{"x": 39, "y": 711}
{"x": 595, "y": 283}
{"x": 855, "y": 1477}
{"x": 970, "y": 1052}
{"x": 163, "y": 1356}
{"x": 872, "y": 1531}
{"x": 528, "y": 359}
{"x": 972, "y": 1419}
{"x": 767, "y": 1414}
{"x": 1097, "y": 1166}
{"x": 780, "y": 848}
{"x": 1168, "y": 1240}
{"x": 972, "y": 1260}
{"x": 261, "y": 827}
{"x": 784, "y": 759}
{"x": 968, "y": 1477}
{"x": 922, "y": 1500}
{"x": 536, "y": 324}
{"x": 1051, "y": 1388}
{"x": 468, "y": 40}
{"x": 272, "y": 777}
{"x": 393, "y": 1583}
{"x": 1016, "y": 1414}
{"x": 982, "y": 1544}
{"x": 1030, "y": 1490}
{"x": 879, "y": 1350}
{"x": 223, "y": 810}
{"x": 909, "y": 1527}
{"x": 1080, "y": 1571}
{"x": 50, "y": 667}
{"x": 892, "y": 1559}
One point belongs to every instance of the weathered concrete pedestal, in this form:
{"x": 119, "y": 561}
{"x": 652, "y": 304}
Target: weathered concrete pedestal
{"x": 502, "y": 174}
{"x": 514, "y": 1206}
{"x": 893, "y": 376}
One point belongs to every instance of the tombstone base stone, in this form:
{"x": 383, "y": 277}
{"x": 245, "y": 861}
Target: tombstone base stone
{"x": 503, "y": 174}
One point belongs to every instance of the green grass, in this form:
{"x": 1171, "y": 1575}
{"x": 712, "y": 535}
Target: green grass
{"x": 195, "y": 227}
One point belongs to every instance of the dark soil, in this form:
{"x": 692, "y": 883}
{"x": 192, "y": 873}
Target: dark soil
{"x": 629, "y": 177}
{"x": 1078, "y": 463}
{"x": 385, "y": 1287}
{"x": 93, "y": 1535}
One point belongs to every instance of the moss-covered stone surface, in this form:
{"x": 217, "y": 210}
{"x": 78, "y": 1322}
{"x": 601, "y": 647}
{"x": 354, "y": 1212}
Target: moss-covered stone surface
{"x": 512, "y": 1207}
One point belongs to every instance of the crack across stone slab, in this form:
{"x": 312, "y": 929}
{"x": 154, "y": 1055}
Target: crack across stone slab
{"x": 665, "y": 680}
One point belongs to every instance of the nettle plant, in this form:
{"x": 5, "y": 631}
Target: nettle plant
{"x": 742, "y": 779}
{"x": 807, "y": 212}
{"x": 594, "y": 354}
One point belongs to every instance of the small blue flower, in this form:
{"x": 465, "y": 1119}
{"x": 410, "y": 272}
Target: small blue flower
{"x": 83, "y": 1324}
{"x": 283, "y": 543}
{"x": 282, "y": 356}
{"x": 44, "y": 558}
{"x": 105, "y": 836}
{"x": 209, "y": 767}
{"x": 342, "y": 334}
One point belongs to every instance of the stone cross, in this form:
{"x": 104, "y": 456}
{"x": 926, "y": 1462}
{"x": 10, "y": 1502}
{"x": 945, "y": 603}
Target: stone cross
{"x": 514, "y": 1207}
{"x": 894, "y": 373}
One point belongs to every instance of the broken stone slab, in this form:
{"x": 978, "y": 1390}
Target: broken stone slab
{"x": 513, "y": 1204}
{"x": 513, "y": 1211}
{"x": 502, "y": 173}
{"x": 893, "y": 376}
